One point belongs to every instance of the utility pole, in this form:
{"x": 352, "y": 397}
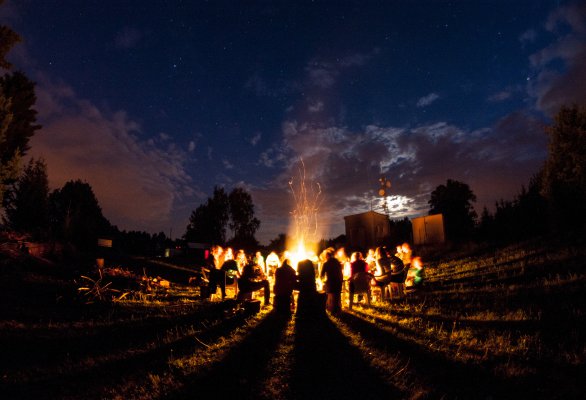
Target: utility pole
{"x": 383, "y": 191}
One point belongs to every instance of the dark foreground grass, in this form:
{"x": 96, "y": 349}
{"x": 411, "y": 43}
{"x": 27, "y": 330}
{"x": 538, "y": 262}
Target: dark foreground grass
{"x": 500, "y": 323}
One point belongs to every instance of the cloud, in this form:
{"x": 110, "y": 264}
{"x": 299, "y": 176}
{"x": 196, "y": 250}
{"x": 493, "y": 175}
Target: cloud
{"x": 495, "y": 161}
{"x": 137, "y": 180}
{"x": 324, "y": 73}
{"x": 258, "y": 85}
{"x": 128, "y": 38}
{"x": 500, "y": 96}
{"x": 560, "y": 67}
{"x": 191, "y": 146}
{"x": 358, "y": 59}
{"x": 227, "y": 164}
{"x": 427, "y": 100}
{"x": 264, "y": 87}
{"x": 315, "y": 106}
{"x": 8, "y": 12}
{"x": 528, "y": 36}
{"x": 255, "y": 138}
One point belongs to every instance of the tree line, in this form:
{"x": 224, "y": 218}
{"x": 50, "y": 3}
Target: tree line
{"x": 553, "y": 202}
{"x": 72, "y": 214}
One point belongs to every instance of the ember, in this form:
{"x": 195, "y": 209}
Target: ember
{"x": 307, "y": 199}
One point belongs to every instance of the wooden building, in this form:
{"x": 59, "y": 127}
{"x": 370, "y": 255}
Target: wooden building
{"x": 428, "y": 229}
{"x": 366, "y": 230}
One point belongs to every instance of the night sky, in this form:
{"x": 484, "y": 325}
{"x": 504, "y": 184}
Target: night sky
{"x": 155, "y": 102}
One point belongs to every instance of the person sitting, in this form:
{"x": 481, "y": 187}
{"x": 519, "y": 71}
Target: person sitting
{"x": 214, "y": 271}
{"x": 271, "y": 263}
{"x": 359, "y": 279}
{"x": 404, "y": 252}
{"x": 252, "y": 279}
{"x": 309, "y": 302}
{"x": 390, "y": 269}
{"x": 230, "y": 269}
{"x": 415, "y": 274}
{"x": 241, "y": 259}
{"x": 285, "y": 283}
{"x": 260, "y": 261}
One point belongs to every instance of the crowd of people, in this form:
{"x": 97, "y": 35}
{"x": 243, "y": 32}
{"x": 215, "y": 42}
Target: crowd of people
{"x": 333, "y": 273}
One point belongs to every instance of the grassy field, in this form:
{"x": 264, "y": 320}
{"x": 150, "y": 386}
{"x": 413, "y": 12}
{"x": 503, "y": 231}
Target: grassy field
{"x": 489, "y": 323}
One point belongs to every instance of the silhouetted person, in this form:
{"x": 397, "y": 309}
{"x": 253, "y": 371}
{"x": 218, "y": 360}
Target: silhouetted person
{"x": 285, "y": 283}
{"x": 253, "y": 279}
{"x": 23, "y": 248}
{"x": 334, "y": 279}
{"x": 359, "y": 278}
{"x": 308, "y": 302}
{"x": 214, "y": 269}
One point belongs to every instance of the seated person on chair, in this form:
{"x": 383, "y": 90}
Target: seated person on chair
{"x": 415, "y": 274}
{"x": 390, "y": 269}
{"x": 309, "y": 301}
{"x": 252, "y": 279}
{"x": 230, "y": 270}
{"x": 214, "y": 270}
{"x": 285, "y": 283}
{"x": 272, "y": 263}
{"x": 359, "y": 279}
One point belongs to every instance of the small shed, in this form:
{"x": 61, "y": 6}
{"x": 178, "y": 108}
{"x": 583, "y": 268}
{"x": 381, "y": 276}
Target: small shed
{"x": 428, "y": 229}
{"x": 366, "y": 230}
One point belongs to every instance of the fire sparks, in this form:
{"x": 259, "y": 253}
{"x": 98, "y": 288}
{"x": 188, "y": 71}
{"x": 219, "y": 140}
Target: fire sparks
{"x": 307, "y": 199}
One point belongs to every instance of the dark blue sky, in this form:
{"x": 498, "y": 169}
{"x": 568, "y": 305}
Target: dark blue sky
{"x": 155, "y": 102}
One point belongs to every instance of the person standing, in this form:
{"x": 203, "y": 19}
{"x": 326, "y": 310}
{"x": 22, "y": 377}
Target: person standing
{"x": 332, "y": 274}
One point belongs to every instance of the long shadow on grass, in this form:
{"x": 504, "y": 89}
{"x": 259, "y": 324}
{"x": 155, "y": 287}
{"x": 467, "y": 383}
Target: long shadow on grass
{"x": 327, "y": 366}
{"x": 239, "y": 374}
{"x": 456, "y": 347}
{"x": 43, "y": 348}
{"x": 445, "y": 377}
{"x": 66, "y": 381}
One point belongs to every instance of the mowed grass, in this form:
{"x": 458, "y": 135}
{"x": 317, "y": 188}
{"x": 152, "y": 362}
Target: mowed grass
{"x": 489, "y": 323}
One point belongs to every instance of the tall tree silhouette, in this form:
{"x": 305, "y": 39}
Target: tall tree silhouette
{"x": 564, "y": 180}
{"x": 243, "y": 223}
{"x": 9, "y": 156}
{"x": 77, "y": 216}
{"x": 8, "y": 38}
{"x": 26, "y": 203}
{"x": 454, "y": 201}
{"x": 9, "y": 167}
{"x": 207, "y": 223}
{"x": 21, "y": 92}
